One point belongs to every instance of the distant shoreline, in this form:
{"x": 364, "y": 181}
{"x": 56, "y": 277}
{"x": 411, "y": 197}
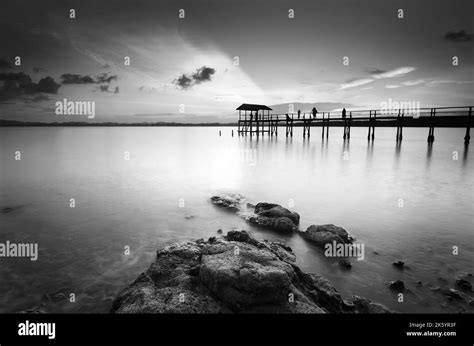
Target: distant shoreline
{"x": 452, "y": 122}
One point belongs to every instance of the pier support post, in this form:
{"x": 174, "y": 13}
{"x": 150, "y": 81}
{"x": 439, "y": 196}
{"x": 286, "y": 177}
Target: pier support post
{"x": 349, "y": 127}
{"x": 276, "y": 126}
{"x": 322, "y": 127}
{"x": 327, "y": 129}
{"x": 370, "y": 122}
{"x": 431, "y": 124}
{"x": 371, "y": 133}
{"x": 306, "y": 127}
{"x": 373, "y": 124}
{"x": 467, "y": 137}
{"x": 400, "y": 125}
{"x": 289, "y": 126}
{"x": 344, "y": 134}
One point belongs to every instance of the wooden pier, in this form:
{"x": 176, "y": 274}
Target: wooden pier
{"x": 257, "y": 120}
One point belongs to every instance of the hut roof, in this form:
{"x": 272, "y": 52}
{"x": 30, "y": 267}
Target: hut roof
{"x": 252, "y": 107}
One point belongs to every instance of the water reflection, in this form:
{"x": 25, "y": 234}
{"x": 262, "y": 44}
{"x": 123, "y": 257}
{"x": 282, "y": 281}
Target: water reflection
{"x": 370, "y": 151}
{"x": 464, "y": 155}
{"x": 429, "y": 153}
{"x": 324, "y": 148}
{"x": 398, "y": 149}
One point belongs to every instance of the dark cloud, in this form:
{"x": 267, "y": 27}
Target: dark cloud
{"x": 19, "y": 84}
{"x": 4, "y": 64}
{"x": 183, "y": 82}
{"x": 47, "y": 85}
{"x": 458, "y": 36}
{"x": 37, "y": 69}
{"x": 376, "y": 71}
{"x": 105, "y": 89}
{"x": 202, "y": 74}
{"x": 106, "y": 78}
{"x": 69, "y": 78}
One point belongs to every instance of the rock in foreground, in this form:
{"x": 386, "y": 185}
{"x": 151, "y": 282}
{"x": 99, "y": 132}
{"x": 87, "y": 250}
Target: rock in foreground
{"x": 234, "y": 274}
{"x": 327, "y": 234}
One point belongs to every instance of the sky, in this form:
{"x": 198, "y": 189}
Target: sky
{"x": 356, "y": 54}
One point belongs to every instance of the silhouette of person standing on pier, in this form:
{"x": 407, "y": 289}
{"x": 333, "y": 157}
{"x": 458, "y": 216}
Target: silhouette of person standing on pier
{"x": 343, "y": 113}
{"x": 299, "y": 113}
{"x": 314, "y": 111}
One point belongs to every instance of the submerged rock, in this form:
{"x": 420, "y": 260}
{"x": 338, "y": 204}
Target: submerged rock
{"x": 464, "y": 284}
{"x": 455, "y": 294}
{"x": 324, "y": 234}
{"x": 233, "y": 274}
{"x": 398, "y": 285}
{"x": 38, "y": 309}
{"x": 344, "y": 263}
{"x": 7, "y": 210}
{"x": 399, "y": 264}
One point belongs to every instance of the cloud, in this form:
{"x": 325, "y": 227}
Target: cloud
{"x": 105, "y": 78}
{"x": 105, "y": 89}
{"x": 392, "y": 86}
{"x": 202, "y": 74}
{"x": 4, "y": 64}
{"x": 414, "y": 82}
{"x": 458, "y": 36}
{"x": 379, "y": 74}
{"x": 19, "y": 84}
{"x": 357, "y": 82}
{"x": 37, "y": 69}
{"x": 437, "y": 82}
{"x": 47, "y": 85}
{"x": 69, "y": 78}
{"x": 377, "y": 71}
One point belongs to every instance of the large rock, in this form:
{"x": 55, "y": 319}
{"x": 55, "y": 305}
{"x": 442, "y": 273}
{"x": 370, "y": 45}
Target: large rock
{"x": 279, "y": 224}
{"x": 231, "y": 202}
{"x": 266, "y": 215}
{"x": 324, "y": 234}
{"x": 464, "y": 284}
{"x": 236, "y": 273}
{"x": 272, "y": 210}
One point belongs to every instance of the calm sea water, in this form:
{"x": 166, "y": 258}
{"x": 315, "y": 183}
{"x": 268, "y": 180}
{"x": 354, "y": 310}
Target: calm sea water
{"x": 135, "y": 203}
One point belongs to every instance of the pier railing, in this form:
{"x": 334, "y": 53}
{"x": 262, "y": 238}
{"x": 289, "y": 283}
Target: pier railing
{"x": 390, "y": 117}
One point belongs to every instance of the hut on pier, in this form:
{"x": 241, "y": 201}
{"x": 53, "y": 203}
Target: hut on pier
{"x": 254, "y": 118}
